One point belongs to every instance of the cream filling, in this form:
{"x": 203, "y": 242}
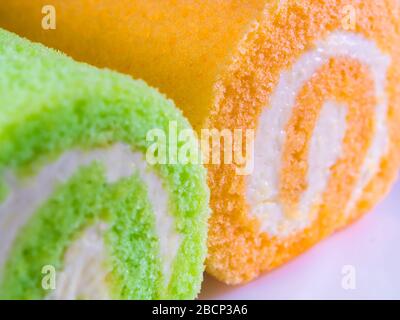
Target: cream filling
{"x": 325, "y": 149}
{"x": 26, "y": 196}
{"x": 85, "y": 273}
{"x": 263, "y": 186}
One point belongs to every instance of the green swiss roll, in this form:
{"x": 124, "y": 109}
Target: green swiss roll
{"x": 83, "y": 213}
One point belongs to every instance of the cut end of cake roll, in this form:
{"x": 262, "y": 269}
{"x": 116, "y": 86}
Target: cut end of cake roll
{"x": 83, "y": 213}
{"x": 325, "y": 100}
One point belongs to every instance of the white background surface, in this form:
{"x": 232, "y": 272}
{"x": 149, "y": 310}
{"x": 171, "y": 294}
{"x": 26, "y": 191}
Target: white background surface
{"x": 371, "y": 246}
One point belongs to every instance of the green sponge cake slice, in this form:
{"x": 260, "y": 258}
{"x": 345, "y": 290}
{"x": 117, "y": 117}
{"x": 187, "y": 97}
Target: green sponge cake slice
{"x": 83, "y": 214}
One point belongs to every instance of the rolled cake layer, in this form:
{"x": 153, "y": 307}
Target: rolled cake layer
{"x": 83, "y": 213}
{"x": 316, "y": 80}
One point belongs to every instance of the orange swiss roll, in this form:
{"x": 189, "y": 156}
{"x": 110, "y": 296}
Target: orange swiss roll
{"x": 316, "y": 81}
